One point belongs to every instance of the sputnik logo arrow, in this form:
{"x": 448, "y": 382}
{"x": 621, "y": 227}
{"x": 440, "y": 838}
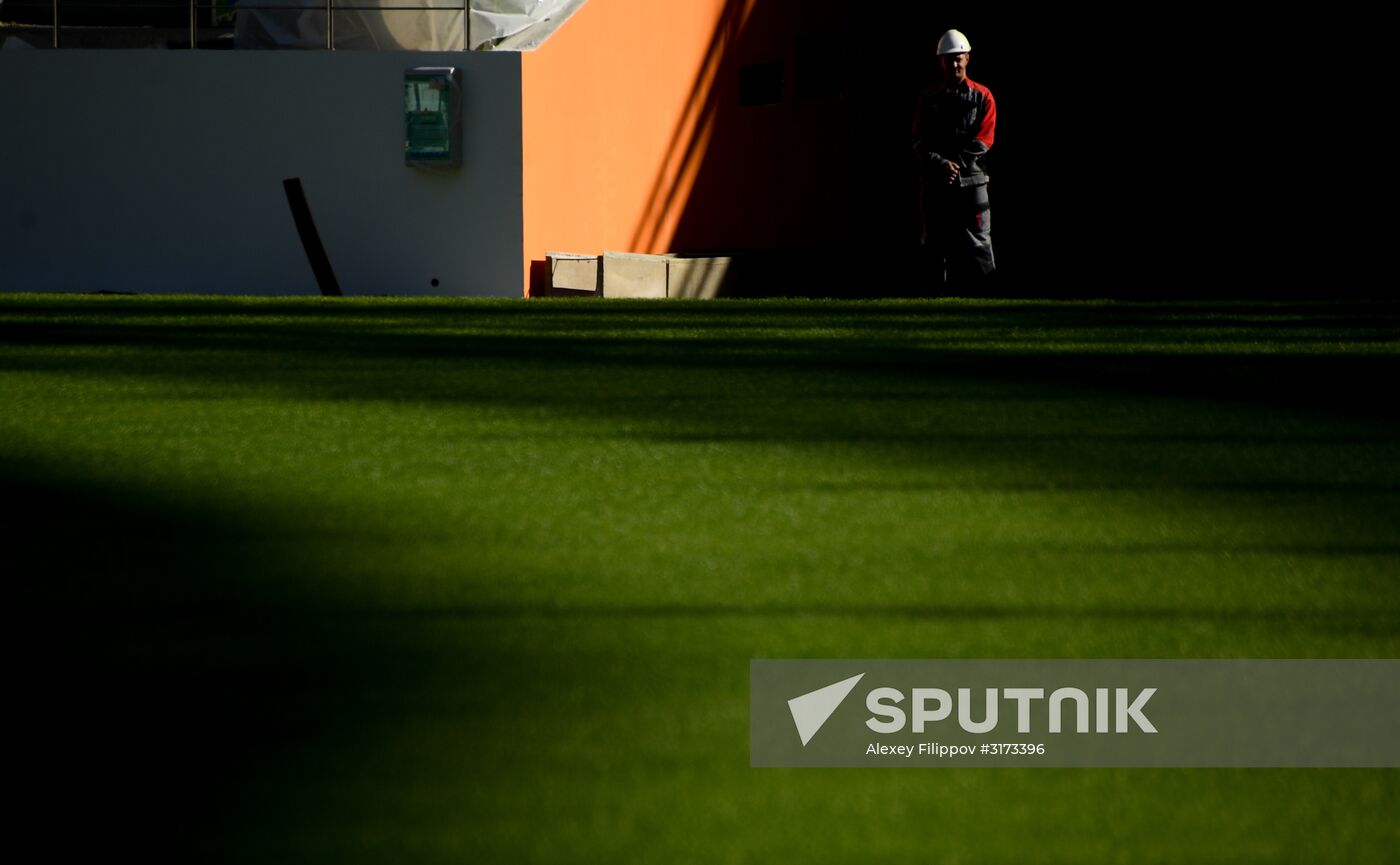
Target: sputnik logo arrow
{"x": 810, "y": 711}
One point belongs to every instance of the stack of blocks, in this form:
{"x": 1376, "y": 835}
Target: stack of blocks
{"x": 633, "y": 275}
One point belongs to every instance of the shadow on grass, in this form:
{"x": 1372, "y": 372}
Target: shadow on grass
{"x": 1301, "y": 357}
{"x": 167, "y": 654}
{"x": 162, "y": 669}
{"x": 161, "y": 663}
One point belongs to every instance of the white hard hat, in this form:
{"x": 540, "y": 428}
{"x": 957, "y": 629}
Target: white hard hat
{"x": 953, "y": 42}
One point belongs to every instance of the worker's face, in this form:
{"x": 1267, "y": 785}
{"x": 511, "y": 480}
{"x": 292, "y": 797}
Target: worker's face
{"x": 954, "y": 66}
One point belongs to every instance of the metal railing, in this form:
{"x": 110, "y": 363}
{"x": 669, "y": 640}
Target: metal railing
{"x": 195, "y": 6}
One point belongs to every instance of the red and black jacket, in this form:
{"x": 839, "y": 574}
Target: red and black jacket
{"x": 956, "y": 123}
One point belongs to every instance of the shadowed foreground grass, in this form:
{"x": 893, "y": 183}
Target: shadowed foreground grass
{"x": 381, "y": 580}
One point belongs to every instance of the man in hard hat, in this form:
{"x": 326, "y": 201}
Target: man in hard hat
{"x": 954, "y": 124}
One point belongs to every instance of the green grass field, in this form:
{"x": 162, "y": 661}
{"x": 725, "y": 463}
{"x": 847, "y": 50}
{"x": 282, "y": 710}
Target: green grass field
{"x": 431, "y": 581}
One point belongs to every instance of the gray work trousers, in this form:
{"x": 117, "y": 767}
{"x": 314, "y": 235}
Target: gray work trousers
{"x": 958, "y": 234}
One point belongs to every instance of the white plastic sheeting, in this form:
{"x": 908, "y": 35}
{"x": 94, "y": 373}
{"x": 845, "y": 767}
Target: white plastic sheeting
{"x": 401, "y": 25}
{"x": 517, "y": 25}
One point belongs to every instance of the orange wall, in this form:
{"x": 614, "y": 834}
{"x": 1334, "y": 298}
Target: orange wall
{"x": 614, "y": 121}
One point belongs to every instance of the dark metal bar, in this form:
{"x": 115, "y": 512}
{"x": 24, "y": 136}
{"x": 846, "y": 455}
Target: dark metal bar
{"x": 55, "y": 24}
{"x": 342, "y": 7}
{"x": 330, "y": 25}
{"x": 310, "y": 238}
{"x": 194, "y": 32}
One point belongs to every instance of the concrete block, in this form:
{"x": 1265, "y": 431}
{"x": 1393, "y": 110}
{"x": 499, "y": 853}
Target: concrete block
{"x": 698, "y": 277}
{"x": 631, "y": 275}
{"x": 572, "y": 275}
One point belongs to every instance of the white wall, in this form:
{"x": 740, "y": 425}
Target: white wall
{"x": 161, "y": 171}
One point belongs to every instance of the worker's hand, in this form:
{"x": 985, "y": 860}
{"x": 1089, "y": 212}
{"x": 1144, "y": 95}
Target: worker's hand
{"x": 950, "y": 171}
